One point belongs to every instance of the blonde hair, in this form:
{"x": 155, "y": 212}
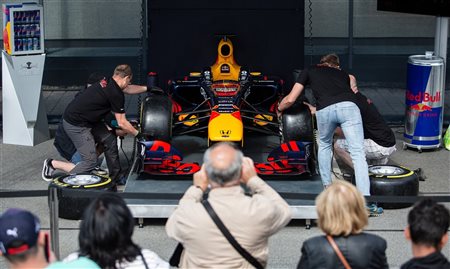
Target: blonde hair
{"x": 341, "y": 209}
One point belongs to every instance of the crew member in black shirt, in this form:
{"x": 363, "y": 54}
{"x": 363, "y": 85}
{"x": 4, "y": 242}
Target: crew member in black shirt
{"x": 379, "y": 140}
{"x": 336, "y": 106}
{"x": 83, "y": 123}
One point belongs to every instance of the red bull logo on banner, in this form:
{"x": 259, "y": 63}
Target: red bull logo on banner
{"x": 423, "y": 97}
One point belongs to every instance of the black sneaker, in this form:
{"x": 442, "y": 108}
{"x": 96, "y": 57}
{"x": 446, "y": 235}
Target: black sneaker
{"x": 47, "y": 170}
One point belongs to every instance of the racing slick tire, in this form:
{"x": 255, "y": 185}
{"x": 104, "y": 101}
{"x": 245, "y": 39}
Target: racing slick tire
{"x": 71, "y": 206}
{"x": 297, "y": 124}
{"x": 156, "y": 117}
{"x": 393, "y": 180}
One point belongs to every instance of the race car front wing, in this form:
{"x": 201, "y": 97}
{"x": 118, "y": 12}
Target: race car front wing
{"x": 161, "y": 158}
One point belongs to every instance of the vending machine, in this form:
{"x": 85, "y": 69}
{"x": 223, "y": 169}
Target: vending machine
{"x": 23, "y": 58}
{"x": 23, "y": 29}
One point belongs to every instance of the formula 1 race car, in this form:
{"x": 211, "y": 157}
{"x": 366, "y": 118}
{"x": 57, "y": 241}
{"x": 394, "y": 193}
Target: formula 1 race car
{"x": 224, "y": 102}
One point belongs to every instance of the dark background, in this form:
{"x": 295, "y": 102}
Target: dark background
{"x": 183, "y": 35}
{"x": 425, "y": 7}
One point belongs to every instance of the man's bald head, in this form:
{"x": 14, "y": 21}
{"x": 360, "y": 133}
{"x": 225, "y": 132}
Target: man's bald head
{"x": 223, "y": 163}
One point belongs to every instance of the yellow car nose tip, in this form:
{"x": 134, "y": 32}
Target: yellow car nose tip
{"x": 225, "y": 127}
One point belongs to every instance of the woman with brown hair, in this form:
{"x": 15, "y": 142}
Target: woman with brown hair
{"x": 342, "y": 217}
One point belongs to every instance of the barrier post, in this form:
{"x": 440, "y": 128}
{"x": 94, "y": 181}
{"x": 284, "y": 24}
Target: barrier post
{"x": 54, "y": 221}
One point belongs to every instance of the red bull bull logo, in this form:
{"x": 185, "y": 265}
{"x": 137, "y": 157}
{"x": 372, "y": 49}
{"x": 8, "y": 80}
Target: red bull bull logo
{"x": 421, "y": 107}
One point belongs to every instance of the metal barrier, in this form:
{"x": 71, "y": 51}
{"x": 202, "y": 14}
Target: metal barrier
{"x": 54, "y": 220}
{"x": 52, "y": 194}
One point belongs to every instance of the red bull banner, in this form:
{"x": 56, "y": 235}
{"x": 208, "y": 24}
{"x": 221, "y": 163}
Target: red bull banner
{"x": 424, "y": 100}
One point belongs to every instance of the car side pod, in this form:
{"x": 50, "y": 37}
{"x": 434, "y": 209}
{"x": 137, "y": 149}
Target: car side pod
{"x": 225, "y": 127}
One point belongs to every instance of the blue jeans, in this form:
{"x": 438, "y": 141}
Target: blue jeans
{"x": 76, "y": 158}
{"x": 348, "y": 116}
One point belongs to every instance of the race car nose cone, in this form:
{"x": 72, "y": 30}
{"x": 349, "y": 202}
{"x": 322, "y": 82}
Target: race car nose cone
{"x": 225, "y": 127}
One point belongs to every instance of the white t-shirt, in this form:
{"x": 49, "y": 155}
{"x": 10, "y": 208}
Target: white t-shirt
{"x": 152, "y": 259}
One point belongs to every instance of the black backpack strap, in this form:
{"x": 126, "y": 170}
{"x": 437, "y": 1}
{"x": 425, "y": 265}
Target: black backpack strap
{"x": 176, "y": 256}
{"x": 244, "y": 253}
{"x": 143, "y": 260}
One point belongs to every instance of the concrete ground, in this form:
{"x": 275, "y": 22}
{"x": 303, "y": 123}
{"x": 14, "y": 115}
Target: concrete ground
{"x": 21, "y": 170}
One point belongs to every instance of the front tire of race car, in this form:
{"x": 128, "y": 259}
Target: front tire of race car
{"x": 71, "y": 206}
{"x": 297, "y": 124}
{"x": 393, "y": 180}
{"x": 156, "y": 117}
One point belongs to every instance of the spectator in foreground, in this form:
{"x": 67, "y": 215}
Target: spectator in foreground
{"x": 106, "y": 237}
{"x": 427, "y": 230}
{"x": 24, "y": 245}
{"x": 21, "y": 241}
{"x": 250, "y": 219}
{"x": 342, "y": 217}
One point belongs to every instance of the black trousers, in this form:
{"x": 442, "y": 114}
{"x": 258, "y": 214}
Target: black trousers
{"x": 108, "y": 139}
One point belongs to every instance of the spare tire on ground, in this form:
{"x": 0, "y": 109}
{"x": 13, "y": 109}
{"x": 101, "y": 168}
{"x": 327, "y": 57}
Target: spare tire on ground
{"x": 156, "y": 117}
{"x": 393, "y": 180}
{"x": 70, "y": 206}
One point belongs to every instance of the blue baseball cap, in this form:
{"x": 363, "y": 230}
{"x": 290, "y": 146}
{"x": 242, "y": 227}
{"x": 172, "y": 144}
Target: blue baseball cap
{"x": 19, "y": 230}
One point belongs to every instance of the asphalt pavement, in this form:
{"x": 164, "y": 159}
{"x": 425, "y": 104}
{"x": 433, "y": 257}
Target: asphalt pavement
{"x": 21, "y": 170}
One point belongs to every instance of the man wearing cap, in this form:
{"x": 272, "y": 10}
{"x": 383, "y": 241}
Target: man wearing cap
{"x": 24, "y": 245}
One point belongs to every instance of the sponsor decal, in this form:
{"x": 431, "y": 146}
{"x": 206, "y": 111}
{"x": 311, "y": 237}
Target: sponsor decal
{"x": 225, "y": 89}
{"x": 281, "y": 167}
{"x": 29, "y": 65}
{"x": 171, "y": 167}
{"x": 225, "y": 133}
{"x": 421, "y": 107}
{"x": 103, "y": 83}
{"x": 423, "y": 97}
{"x": 225, "y": 68}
